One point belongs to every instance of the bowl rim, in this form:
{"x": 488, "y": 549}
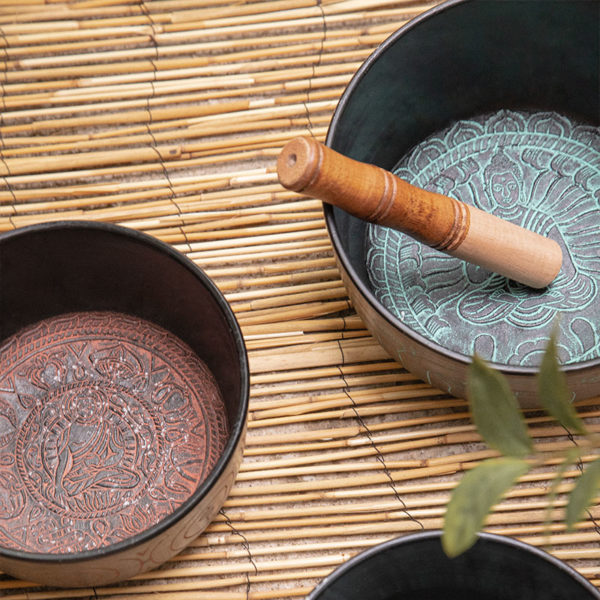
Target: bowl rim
{"x": 237, "y": 428}
{"x": 330, "y": 222}
{"x": 408, "y": 539}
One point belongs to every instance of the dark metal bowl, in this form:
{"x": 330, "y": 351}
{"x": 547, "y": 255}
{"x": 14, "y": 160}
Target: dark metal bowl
{"x": 68, "y": 267}
{"x": 461, "y": 59}
{"x": 415, "y": 567}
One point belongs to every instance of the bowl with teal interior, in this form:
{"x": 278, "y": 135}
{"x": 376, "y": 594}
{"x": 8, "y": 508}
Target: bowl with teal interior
{"x": 123, "y": 402}
{"x": 414, "y": 567}
{"x": 498, "y": 105}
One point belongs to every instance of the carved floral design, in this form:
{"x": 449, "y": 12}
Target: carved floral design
{"x": 539, "y": 170}
{"x": 111, "y": 423}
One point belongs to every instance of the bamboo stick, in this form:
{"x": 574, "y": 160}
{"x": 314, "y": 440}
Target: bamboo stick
{"x": 248, "y": 566}
{"x": 196, "y": 595}
{"x": 371, "y": 441}
{"x": 257, "y": 71}
{"x": 194, "y": 552}
{"x": 132, "y": 41}
{"x": 92, "y": 194}
{"x": 351, "y": 323}
{"x": 192, "y": 231}
{"x": 194, "y": 29}
{"x": 357, "y": 481}
{"x": 498, "y": 517}
{"x": 10, "y": 167}
{"x": 309, "y": 468}
{"x": 229, "y": 179}
{"x": 262, "y": 252}
{"x": 313, "y": 230}
{"x": 191, "y": 136}
{"x": 315, "y": 309}
{"x": 208, "y": 582}
{"x": 378, "y": 508}
{"x": 337, "y": 496}
{"x": 319, "y": 372}
{"x": 171, "y": 117}
{"x": 316, "y": 279}
{"x": 315, "y": 470}
{"x": 534, "y": 526}
{"x": 65, "y": 55}
{"x": 295, "y": 84}
{"x": 128, "y": 9}
{"x": 317, "y": 294}
{"x": 166, "y": 224}
{"x": 158, "y": 590}
{"x": 344, "y": 437}
{"x": 257, "y": 225}
{"x": 26, "y": 95}
{"x": 335, "y": 382}
{"x": 147, "y": 13}
{"x": 279, "y": 341}
{"x": 324, "y": 486}
{"x": 123, "y": 70}
{"x": 357, "y": 398}
{"x": 312, "y": 15}
{"x": 352, "y": 434}
{"x": 329, "y": 354}
{"x": 270, "y": 274}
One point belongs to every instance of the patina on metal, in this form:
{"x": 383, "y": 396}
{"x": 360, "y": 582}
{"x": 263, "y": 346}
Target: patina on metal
{"x": 539, "y": 170}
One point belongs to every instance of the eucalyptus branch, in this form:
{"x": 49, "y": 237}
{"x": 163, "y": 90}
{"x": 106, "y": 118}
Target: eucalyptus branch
{"x": 500, "y": 423}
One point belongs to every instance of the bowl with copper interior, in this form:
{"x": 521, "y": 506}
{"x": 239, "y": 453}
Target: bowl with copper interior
{"x": 497, "y": 105}
{"x": 414, "y": 567}
{"x": 123, "y": 402}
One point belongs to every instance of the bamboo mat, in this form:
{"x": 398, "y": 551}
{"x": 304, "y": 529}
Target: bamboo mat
{"x": 167, "y": 117}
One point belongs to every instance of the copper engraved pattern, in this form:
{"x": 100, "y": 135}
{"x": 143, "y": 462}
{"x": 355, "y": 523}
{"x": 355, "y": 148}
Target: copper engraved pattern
{"x": 108, "y": 423}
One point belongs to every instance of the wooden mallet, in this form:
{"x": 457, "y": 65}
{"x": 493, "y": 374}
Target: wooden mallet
{"x": 377, "y": 196}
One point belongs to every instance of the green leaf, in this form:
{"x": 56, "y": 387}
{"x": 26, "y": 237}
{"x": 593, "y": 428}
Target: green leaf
{"x": 553, "y": 391}
{"x": 473, "y": 499}
{"x": 496, "y": 411}
{"x": 583, "y": 493}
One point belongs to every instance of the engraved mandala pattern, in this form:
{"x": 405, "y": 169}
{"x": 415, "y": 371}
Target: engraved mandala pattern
{"x": 107, "y": 424}
{"x": 539, "y": 170}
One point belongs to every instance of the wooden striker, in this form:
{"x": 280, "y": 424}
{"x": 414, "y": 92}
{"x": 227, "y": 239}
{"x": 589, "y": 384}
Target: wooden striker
{"x": 377, "y": 196}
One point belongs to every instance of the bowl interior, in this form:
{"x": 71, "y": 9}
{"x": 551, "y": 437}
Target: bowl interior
{"x": 416, "y": 568}
{"x": 59, "y": 268}
{"x": 457, "y": 61}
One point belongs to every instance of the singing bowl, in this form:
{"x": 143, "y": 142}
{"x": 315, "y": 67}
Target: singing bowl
{"x": 425, "y": 105}
{"x": 122, "y": 405}
{"x": 415, "y": 567}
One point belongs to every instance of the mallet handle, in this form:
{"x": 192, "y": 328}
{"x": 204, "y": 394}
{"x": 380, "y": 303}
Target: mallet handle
{"x": 376, "y": 195}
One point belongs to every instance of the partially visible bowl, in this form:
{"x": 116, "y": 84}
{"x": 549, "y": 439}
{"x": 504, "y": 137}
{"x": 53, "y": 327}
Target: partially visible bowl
{"x": 97, "y": 433}
{"x": 459, "y": 61}
{"x": 415, "y": 567}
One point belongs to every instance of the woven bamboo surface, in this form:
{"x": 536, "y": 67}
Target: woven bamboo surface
{"x": 167, "y": 117}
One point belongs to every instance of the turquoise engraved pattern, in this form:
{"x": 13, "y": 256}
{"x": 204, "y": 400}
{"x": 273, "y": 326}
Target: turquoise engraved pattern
{"x": 540, "y": 170}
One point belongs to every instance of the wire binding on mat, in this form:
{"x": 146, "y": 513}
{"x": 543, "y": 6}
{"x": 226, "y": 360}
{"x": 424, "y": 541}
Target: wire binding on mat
{"x": 2, "y": 145}
{"x": 245, "y": 546}
{"x": 319, "y": 5}
{"x": 148, "y": 124}
{"x": 378, "y": 454}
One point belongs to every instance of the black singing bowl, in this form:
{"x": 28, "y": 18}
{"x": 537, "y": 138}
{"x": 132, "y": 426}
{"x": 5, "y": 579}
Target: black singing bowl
{"x": 415, "y": 567}
{"x": 123, "y": 400}
{"x": 452, "y": 94}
